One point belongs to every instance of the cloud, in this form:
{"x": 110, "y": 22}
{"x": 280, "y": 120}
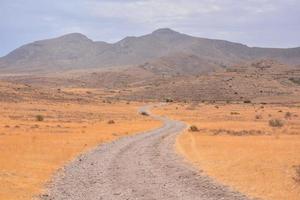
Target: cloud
{"x": 254, "y": 22}
{"x": 151, "y": 11}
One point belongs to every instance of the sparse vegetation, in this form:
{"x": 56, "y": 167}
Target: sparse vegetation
{"x": 144, "y": 113}
{"x": 234, "y": 113}
{"x": 257, "y": 117}
{"x": 69, "y": 127}
{"x": 39, "y": 118}
{"x": 276, "y": 123}
{"x": 288, "y": 115}
{"x": 295, "y": 80}
{"x": 250, "y": 140}
{"x": 168, "y": 100}
{"x": 193, "y": 128}
{"x": 237, "y": 133}
{"x": 297, "y": 176}
{"x": 111, "y": 122}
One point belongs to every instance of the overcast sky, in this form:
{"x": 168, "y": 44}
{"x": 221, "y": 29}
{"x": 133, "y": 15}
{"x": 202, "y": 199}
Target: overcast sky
{"x": 266, "y": 23}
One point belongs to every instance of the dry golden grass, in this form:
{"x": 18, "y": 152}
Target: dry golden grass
{"x": 31, "y": 150}
{"x": 262, "y": 166}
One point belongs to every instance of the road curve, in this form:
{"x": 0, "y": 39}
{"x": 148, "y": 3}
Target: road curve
{"x": 143, "y": 167}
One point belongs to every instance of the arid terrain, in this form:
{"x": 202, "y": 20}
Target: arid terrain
{"x": 235, "y": 144}
{"x": 72, "y": 125}
{"x": 42, "y": 130}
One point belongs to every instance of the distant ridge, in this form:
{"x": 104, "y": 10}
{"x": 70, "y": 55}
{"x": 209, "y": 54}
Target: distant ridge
{"x": 76, "y": 51}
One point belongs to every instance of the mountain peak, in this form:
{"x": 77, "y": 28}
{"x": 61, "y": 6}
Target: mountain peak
{"x": 75, "y": 36}
{"x": 164, "y": 31}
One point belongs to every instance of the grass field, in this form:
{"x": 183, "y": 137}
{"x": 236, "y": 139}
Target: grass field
{"x": 39, "y": 137}
{"x": 236, "y": 146}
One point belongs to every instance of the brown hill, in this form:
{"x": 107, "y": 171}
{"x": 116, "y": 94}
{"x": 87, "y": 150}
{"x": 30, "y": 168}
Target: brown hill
{"x": 263, "y": 81}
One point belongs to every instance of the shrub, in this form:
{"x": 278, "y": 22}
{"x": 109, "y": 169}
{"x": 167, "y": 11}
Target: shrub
{"x": 144, "y": 113}
{"x": 297, "y": 177}
{"x": 193, "y": 128}
{"x": 295, "y": 80}
{"x": 247, "y": 101}
{"x": 288, "y": 115}
{"x": 169, "y": 100}
{"x": 111, "y": 122}
{"x": 276, "y": 123}
{"x": 258, "y": 117}
{"x": 39, "y": 118}
{"x": 234, "y": 113}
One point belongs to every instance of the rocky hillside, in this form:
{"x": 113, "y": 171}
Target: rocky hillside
{"x": 164, "y": 50}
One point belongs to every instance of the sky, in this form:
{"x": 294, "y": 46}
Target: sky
{"x": 264, "y": 23}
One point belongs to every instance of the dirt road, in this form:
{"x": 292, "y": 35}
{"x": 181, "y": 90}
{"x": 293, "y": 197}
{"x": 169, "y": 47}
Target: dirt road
{"x": 144, "y": 166}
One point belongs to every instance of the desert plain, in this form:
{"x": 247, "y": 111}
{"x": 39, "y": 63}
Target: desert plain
{"x": 67, "y": 97}
{"x": 40, "y": 134}
{"x": 236, "y": 145}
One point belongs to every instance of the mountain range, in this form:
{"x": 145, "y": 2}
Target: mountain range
{"x": 162, "y": 50}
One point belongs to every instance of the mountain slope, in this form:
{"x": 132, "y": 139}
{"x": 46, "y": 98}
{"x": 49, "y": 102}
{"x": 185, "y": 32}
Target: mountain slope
{"x": 76, "y": 51}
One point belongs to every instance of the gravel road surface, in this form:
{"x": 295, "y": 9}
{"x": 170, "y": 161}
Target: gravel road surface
{"x": 143, "y": 167}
